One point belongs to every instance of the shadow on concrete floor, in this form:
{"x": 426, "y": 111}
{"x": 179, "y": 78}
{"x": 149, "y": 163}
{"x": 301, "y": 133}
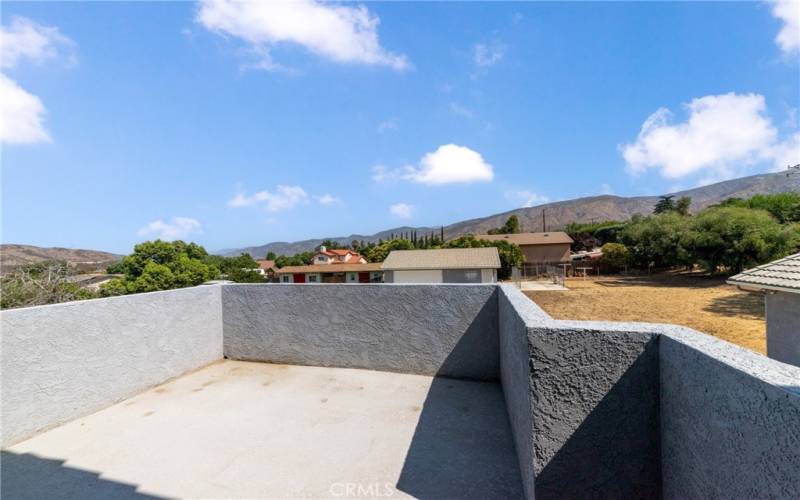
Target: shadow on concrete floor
{"x": 28, "y": 477}
{"x": 462, "y": 446}
{"x": 747, "y": 305}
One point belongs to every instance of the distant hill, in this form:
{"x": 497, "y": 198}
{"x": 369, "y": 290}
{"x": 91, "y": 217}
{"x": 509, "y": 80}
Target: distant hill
{"x": 20, "y": 255}
{"x": 561, "y": 213}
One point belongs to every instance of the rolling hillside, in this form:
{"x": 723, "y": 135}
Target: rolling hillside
{"x": 560, "y": 213}
{"x": 20, "y": 255}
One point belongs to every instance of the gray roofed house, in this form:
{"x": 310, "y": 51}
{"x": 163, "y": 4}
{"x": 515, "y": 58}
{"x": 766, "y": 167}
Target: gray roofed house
{"x": 780, "y": 282}
{"x": 444, "y": 265}
{"x": 537, "y": 248}
{"x": 781, "y": 275}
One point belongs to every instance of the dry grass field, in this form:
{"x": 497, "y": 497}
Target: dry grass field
{"x": 705, "y": 304}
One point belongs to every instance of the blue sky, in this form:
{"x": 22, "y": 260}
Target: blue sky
{"x": 237, "y": 124}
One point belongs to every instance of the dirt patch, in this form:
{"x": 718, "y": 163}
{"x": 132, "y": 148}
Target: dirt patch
{"x": 703, "y": 303}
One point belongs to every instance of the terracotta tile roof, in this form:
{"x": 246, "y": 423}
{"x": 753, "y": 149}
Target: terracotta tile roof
{"x": 782, "y": 274}
{"x": 337, "y": 251}
{"x": 331, "y": 268}
{"x": 443, "y": 258}
{"x": 265, "y": 264}
{"x": 529, "y": 238}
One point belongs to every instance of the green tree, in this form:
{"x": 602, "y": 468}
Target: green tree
{"x": 161, "y": 265}
{"x": 114, "y": 287}
{"x": 730, "y": 239}
{"x": 299, "y": 259}
{"x": 665, "y": 204}
{"x": 117, "y": 267}
{"x": 271, "y": 256}
{"x": 658, "y": 241}
{"x": 587, "y": 236}
{"x": 330, "y": 245}
{"x": 379, "y": 252}
{"x": 785, "y": 207}
{"x": 154, "y": 277}
{"x": 511, "y": 226}
{"x": 615, "y": 256}
{"x": 683, "y": 205}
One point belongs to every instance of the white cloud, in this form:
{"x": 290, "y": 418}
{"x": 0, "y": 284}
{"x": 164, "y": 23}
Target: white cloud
{"x": 722, "y": 135}
{"x": 461, "y": 110}
{"x": 24, "y": 39}
{"x": 485, "y": 55}
{"x": 451, "y": 164}
{"x": 328, "y": 200}
{"x": 787, "y": 153}
{"x": 402, "y": 210}
{"x": 605, "y": 188}
{"x": 387, "y": 125}
{"x": 788, "y": 11}
{"x": 382, "y": 174}
{"x": 341, "y": 33}
{"x": 284, "y": 198}
{"x": 178, "y": 228}
{"x": 525, "y": 198}
{"x": 21, "y": 115}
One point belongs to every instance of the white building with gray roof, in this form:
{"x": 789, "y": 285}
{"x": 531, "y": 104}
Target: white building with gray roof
{"x": 780, "y": 282}
{"x": 443, "y": 265}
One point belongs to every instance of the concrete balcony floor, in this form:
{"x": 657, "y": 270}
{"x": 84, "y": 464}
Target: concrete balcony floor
{"x": 255, "y": 430}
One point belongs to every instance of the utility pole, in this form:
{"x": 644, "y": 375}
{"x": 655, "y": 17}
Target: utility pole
{"x": 544, "y": 221}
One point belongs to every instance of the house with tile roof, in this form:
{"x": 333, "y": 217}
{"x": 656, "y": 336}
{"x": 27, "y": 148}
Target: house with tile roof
{"x": 779, "y": 281}
{"x": 336, "y": 272}
{"x": 338, "y": 256}
{"x": 267, "y": 269}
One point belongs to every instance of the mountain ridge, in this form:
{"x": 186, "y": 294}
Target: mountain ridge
{"x": 13, "y": 255}
{"x": 559, "y": 213}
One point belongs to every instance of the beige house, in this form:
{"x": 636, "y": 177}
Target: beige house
{"x": 537, "y": 248}
{"x": 445, "y": 265}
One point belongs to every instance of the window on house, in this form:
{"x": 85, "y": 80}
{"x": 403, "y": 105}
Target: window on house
{"x": 285, "y": 279}
{"x": 312, "y": 278}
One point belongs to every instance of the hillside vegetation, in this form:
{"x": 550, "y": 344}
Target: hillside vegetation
{"x": 725, "y": 238}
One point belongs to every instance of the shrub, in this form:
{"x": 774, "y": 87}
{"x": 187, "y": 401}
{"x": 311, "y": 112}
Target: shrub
{"x": 730, "y": 239}
{"x": 615, "y": 256}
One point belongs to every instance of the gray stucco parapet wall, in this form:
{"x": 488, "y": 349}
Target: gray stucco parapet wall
{"x": 597, "y": 409}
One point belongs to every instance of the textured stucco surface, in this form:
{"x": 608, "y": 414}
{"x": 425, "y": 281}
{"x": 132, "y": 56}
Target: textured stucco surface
{"x": 730, "y": 420}
{"x": 783, "y": 327}
{"x": 595, "y": 413}
{"x": 67, "y": 360}
{"x": 446, "y": 330}
{"x": 516, "y": 314}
